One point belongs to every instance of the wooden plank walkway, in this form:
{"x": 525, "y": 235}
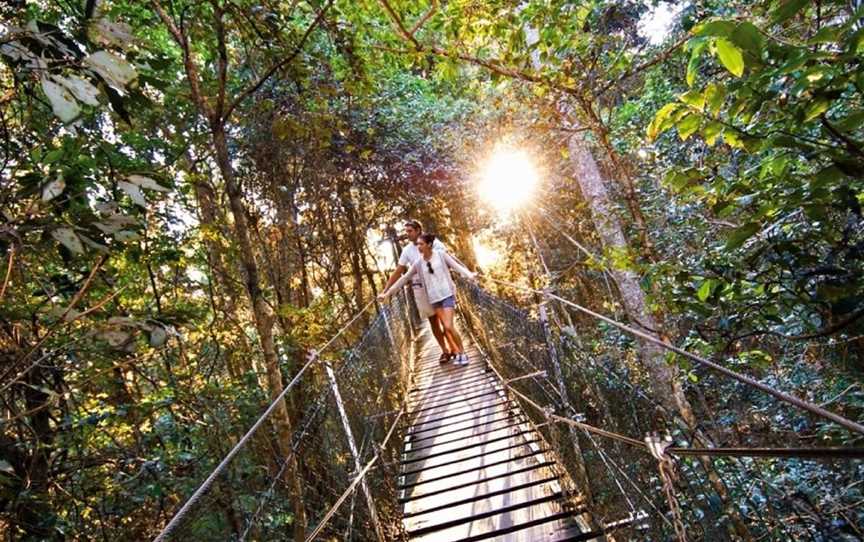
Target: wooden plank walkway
{"x": 472, "y": 468}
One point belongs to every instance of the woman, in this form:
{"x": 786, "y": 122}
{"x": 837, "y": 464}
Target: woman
{"x": 434, "y": 269}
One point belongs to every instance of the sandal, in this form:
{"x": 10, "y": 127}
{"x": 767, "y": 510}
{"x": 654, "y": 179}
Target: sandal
{"x": 445, "y": 357}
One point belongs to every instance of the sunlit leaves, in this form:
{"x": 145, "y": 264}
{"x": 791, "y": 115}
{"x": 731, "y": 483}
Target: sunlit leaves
{"x": 116, "y": 71}
{"x": 730, "y": 55}
{"x": 68, "y": 238}
{"x": 62, "y": 102}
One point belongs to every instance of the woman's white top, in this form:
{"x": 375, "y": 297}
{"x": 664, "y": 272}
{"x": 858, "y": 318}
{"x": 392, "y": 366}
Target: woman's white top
{"x": 439, "y": 284}
{"x": 411, "y": 255}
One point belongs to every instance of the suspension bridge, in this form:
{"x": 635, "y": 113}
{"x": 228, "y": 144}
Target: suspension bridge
{"x": 391, "y": 445}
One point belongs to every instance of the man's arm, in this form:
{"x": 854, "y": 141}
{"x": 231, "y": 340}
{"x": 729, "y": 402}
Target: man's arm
{"x": 398, "y": 272}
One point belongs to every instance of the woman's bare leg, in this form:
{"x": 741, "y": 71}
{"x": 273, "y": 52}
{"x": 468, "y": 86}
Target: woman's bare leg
{"x": 445, "y": 315}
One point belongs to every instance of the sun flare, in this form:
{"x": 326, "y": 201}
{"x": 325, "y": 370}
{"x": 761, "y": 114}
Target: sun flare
{"x": 507, "y": 180}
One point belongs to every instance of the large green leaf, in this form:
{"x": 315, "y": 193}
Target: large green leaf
{"x": 660, "y": 123}
{"x": 739, "y": 235}
{"x": 748, "y": 37}
{"x": 730, "y": 56}
{"x": 721, "y": 28}
{"x": 697, "y": 48}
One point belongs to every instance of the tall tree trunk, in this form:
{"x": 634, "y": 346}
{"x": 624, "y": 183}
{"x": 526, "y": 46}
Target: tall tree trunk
{"x": 263, "y": 319}
{"x": 356, "y": 241}
{"x": 665, "y": 381}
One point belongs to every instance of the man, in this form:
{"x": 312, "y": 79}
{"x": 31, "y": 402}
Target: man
{"x": 410, "y": 254}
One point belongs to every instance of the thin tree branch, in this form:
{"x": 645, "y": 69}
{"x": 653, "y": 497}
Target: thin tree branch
{"x": 75, "y": 299}
{"x": 219, "y": 22}
{"x": 188, "y": 62}
{"x": 662, "y": 57}
{"x": 420, "y": 22}
{"x": 8, "y": 272}
{"x": 397, "y": 22}
{"x": 251, "y": 89}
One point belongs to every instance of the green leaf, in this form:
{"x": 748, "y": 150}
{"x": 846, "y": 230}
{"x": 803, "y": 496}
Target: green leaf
{"x": 730, "y": 56}
{"x": 714, "y": 96}
{"x": 740, "y": 234}
{"x": 657, "y": 125}
{"x": 679, "y": 180}
{"x": 816, "y": 108}
{"x": 831, "y": 175}
{"x": 687, "y": 125}
{"x": 711, "y": 132}
{"x": 698, "y": 46}
{"x": 826, "y": 34}
{"x": 733, "y": 139}
{"x": 787, "y": 10}
{"x": 851, "y": 122}
{"x": 693, "y": 98}
{"x": 748, "y": 37}
{"x": 705, "y": 290}
{"x": 721, "y": 28}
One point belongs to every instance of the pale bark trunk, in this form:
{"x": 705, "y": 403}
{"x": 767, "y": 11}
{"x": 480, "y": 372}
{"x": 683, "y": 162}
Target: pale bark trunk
{"x": 263, "y": 319}
{"x": 665, "y": 382}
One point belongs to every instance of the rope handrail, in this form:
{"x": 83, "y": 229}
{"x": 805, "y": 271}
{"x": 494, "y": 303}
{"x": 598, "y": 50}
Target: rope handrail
{"x": 836, "y": 452}
{"x": 208, "y": 482}
{"x": 783, "y": 396}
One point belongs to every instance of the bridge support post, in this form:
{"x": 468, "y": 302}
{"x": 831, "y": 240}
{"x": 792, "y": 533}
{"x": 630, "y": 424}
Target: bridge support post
{"x": 352, "y": 445}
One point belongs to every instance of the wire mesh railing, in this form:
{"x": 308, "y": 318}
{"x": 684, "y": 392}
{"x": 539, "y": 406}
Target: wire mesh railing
{"x": 661, "y": 488}
{"x": 617, "y": 484}
{"x": 337, "y": 479}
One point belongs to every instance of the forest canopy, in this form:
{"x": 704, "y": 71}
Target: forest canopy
{"x": 197, "y": 194}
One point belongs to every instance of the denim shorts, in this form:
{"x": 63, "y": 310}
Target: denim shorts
{"x": 446, "y": 303}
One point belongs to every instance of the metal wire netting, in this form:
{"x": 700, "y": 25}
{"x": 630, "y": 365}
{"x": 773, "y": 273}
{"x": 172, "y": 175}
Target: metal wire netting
{"x": 618, "y": 484}
{"x": 351, "y": 401}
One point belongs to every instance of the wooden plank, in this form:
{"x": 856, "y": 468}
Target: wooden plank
{"x": 461, "y": 436}
{"x": 442, "y": 394}
{"x": 475, "y": 467}
{"x": 474, "y": 477}
{"x": 472, "y": 399}
{"x": 459, "y": 394}
{"x": 470, "y": 425}
{"x": 489, "y": 518}
{"x": 450, "y": 385}
{"x": 508, "y": 436}
{"x": 433, "y": 421}
{"x": 472, "y": 468}
{"x": 522, "y": 482}
{"x": 450, "y": 373}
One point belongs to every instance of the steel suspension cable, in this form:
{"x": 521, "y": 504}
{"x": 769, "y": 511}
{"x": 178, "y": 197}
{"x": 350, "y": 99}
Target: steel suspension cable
{"x": 783, "y": 396}
{"x": 811, "y": 453}
{"x": 208, "y": 482}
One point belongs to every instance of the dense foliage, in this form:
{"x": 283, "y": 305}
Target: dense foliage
{"x": 194, "y": 194}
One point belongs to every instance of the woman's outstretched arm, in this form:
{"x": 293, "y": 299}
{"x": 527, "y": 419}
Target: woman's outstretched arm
{"x": 401, "y": 282}
{"x": 454, "y": 264}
